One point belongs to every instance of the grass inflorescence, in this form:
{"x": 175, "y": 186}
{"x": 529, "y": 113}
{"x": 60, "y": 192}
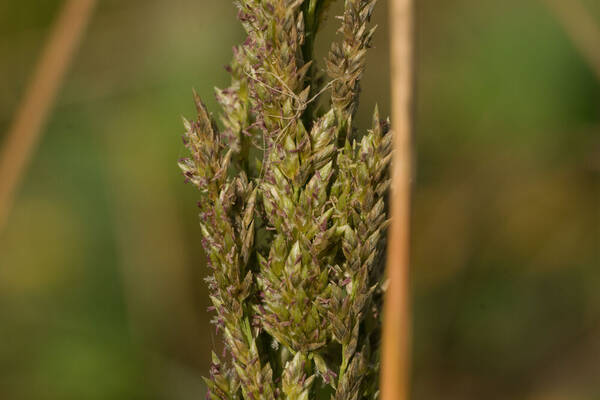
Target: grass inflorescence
{"x": 293, "y": 210}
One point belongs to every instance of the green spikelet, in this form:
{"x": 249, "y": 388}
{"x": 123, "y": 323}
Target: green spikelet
{"x": 293, "y": 210}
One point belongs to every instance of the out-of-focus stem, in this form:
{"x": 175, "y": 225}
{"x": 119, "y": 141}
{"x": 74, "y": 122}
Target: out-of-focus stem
{"x": 395, "y": 369}
{"x": 581, "y": 29}
{"x": 24, "y": 133}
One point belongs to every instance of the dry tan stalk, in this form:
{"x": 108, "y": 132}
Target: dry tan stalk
{"x": 395, "y": 369}
{"x": 581, "y": 29}
{"x": 24, "y": 133}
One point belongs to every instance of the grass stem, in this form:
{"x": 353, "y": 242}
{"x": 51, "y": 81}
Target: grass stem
{"x": 395, "y": 368}
{"x": 24, "y": 133}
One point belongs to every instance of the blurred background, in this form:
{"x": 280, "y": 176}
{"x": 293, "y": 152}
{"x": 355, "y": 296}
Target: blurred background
{"x": 101, "y": 291}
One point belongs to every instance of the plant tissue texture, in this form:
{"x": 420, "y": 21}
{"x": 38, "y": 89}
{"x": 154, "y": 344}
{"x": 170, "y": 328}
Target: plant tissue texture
{"x": 293, "y": 209}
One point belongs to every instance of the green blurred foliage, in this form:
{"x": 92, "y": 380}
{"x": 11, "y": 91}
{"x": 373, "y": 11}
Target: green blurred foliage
{"x": 101, "y": 292}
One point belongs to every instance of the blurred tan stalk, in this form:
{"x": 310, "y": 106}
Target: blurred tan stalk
{"x": 581, "y": 29}
{"x": 395, "y": 369}
{"x": 25, "y": 131}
